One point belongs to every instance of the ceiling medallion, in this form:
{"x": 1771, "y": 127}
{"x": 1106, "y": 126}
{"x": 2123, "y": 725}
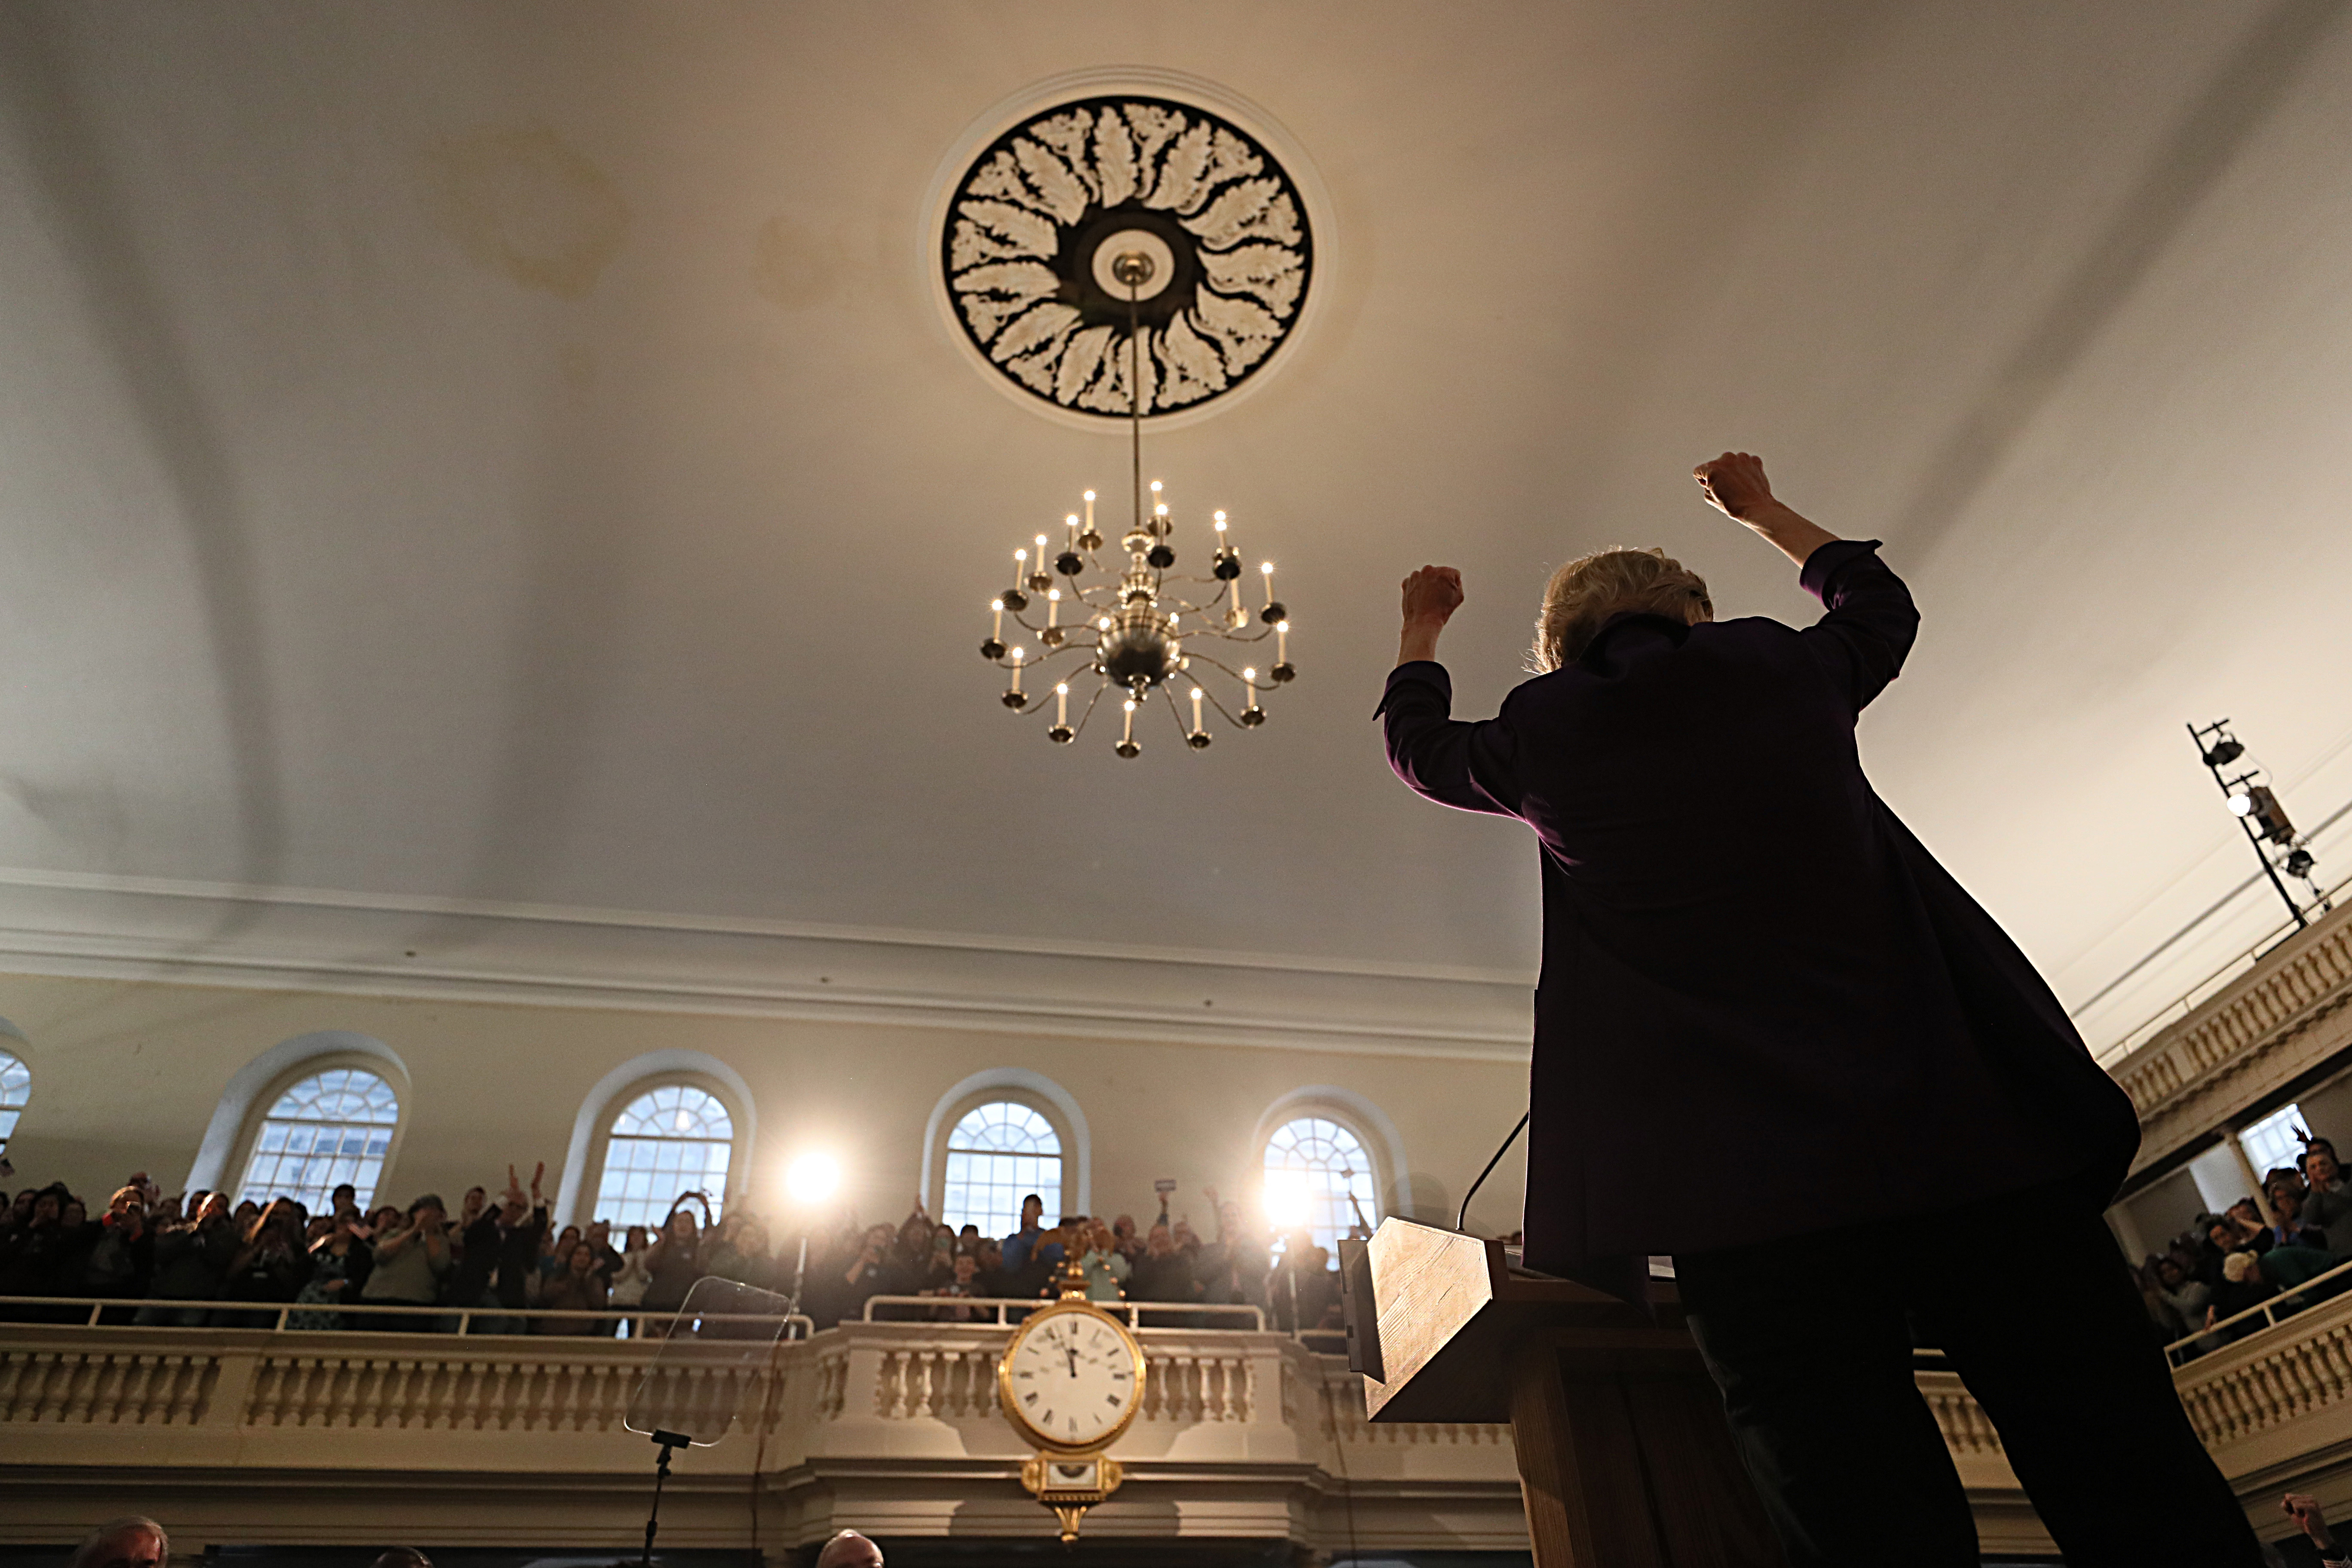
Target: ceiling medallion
{"x": 1037, "y": 224}
{"x": 1131, "y": 626}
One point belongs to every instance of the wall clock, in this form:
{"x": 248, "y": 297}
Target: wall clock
{"x": 1070, "y": 1382}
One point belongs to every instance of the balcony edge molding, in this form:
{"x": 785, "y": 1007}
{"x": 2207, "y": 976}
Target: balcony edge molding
{"x": 2286, "y": 1015}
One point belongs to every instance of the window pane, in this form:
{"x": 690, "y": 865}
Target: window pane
{"x": 16, "y": 1083}
{"x": 2272, "y": 1142}
{"x": 671, "y": 1140}
{"x": 1334, "y": 1165}
{"x": 998, "y": 1154}
{"x": 331, "y": 1127}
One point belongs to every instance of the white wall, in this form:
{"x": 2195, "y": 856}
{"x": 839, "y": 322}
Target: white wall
{"x": 128, "y": 1075}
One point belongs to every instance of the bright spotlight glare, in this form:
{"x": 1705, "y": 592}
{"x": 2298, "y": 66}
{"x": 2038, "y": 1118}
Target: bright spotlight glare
{"x": 2241, "y": 804}
{"x": 1289, "y": 1201}
{"x": 812, "y": 1178}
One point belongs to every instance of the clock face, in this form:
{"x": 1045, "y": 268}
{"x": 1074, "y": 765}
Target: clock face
{"x": 1071, "y": 1379}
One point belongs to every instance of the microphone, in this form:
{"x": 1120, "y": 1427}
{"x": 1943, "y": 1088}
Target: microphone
{"x": 1461, "y": 1220}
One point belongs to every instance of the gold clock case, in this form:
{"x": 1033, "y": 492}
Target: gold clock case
{"x": 1009, "y": 1402}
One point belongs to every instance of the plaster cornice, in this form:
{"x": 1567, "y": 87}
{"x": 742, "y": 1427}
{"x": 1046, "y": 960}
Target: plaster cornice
{"x": 272, "y": 938}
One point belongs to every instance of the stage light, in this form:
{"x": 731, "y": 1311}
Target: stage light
{"x": 813, "y": 1178}
{"x": 1289, "y": 1203}
{"x": 2260, "y": 813}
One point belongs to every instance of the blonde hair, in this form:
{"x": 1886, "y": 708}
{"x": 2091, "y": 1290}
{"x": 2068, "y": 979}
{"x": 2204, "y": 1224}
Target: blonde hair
{"x": 1584, "y": 594}
{"x": 2240, "y": 1267}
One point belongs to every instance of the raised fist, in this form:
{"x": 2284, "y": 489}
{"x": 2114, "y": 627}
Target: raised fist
{"x": 1432, "y": 594}
{"x": 1735, "y": 482}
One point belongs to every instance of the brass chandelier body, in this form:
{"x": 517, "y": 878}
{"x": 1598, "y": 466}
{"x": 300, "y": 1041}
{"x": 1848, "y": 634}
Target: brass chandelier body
{"x": 1131, "y": 626}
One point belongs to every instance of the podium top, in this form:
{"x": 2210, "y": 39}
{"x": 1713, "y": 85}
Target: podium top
{"x": 1444, "y": 1310}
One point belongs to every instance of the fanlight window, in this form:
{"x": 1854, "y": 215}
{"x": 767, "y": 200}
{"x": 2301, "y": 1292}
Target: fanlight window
{"x": 670, "y": 1141}
{"x": 333, "y": 1127}
{"x": 16, "y": 1089}
{"x": 997, "y": 1156}
{"x": 1329, "y": 1161}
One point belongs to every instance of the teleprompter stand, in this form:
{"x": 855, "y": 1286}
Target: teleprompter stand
{"x": 669, "y": 1442}
{"x": 719, "y": 1344}
{"x": 1625, "y": 1461}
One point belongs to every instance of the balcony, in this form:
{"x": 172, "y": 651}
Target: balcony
{"x": 257, "y": 1435}
{"x": 261, "y": 1437}
{"x": 2247, "y": 1039}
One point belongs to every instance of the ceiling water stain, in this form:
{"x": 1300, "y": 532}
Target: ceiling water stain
{"x": 524, "y": 204}
{"x": 793, "y": 267}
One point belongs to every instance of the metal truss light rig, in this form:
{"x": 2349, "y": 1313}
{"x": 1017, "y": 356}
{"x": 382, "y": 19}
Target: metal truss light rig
{"x": 1131, "y": 627}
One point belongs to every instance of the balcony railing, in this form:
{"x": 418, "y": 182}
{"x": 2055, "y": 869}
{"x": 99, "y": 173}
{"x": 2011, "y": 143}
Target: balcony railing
{"x": 885, "y": 1426}
{"x": 888, "y": 1426}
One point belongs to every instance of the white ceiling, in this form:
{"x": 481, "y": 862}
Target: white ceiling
{"x": 641, "y": 565}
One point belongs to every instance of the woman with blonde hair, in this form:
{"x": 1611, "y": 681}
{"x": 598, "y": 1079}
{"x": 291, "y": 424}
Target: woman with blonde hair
{"x": 1750, "y": 960}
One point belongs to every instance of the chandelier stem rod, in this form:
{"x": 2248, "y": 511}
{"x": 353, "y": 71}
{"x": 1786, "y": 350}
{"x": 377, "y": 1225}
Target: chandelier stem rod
{"x": 1135, "y": 405}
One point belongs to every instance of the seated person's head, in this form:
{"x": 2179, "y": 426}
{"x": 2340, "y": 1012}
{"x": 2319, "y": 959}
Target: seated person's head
{"x": 2241, "y": 1267}
{"x": 1584, "y": 594}
{"x": 849, "y": 1550}
{"x": 132, "y": 1542}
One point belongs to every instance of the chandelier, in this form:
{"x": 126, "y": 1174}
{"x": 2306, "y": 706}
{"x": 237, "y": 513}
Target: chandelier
{"x": 1129, "y": 625}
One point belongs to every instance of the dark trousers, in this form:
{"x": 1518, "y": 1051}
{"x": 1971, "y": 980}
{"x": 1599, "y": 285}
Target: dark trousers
{"x": 1809, "y": 1340}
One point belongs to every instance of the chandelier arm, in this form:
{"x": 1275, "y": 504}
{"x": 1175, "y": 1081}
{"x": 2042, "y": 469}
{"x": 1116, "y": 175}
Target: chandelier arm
{"x": 1178, "y": 719}
{"x": 1229, "y": 670}
{"x": 1004, "y": 660}
{"x": 1221, "y": 707}
{"x": 1081, "y": 729}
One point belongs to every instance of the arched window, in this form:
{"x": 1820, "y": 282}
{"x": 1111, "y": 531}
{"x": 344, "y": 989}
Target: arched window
{"x": 16, "y": 1089}
{"x": 330, "y": 1128}
{"x": 998, "y": 1154}
{"x": 1331, "y": 1162}
{"x": 672, "y": 1140}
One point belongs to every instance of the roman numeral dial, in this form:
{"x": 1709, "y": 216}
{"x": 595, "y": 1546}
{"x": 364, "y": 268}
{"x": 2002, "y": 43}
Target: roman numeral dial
{"x": 1072, "y": 1378}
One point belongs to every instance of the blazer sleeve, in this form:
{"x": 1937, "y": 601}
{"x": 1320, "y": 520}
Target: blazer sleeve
{"x": 1440, "y": 758}
{"x": 1863, "y": 641}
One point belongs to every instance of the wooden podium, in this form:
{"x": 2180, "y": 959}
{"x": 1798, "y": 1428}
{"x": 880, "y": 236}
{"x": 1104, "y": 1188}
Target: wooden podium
{"x": 1625, "y": 1461}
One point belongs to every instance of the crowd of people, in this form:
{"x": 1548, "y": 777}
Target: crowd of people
{"x": 1164, "y": 1263}
{"x": 2227, "y": 1264}
{"x": 200, "y": 1260}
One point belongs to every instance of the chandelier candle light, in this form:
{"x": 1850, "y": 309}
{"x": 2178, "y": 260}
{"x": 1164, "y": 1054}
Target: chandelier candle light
{"x": 1131, "y": 624}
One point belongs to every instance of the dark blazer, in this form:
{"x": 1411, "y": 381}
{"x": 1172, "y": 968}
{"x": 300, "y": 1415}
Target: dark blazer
{"x": 1765, "y": 1009}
